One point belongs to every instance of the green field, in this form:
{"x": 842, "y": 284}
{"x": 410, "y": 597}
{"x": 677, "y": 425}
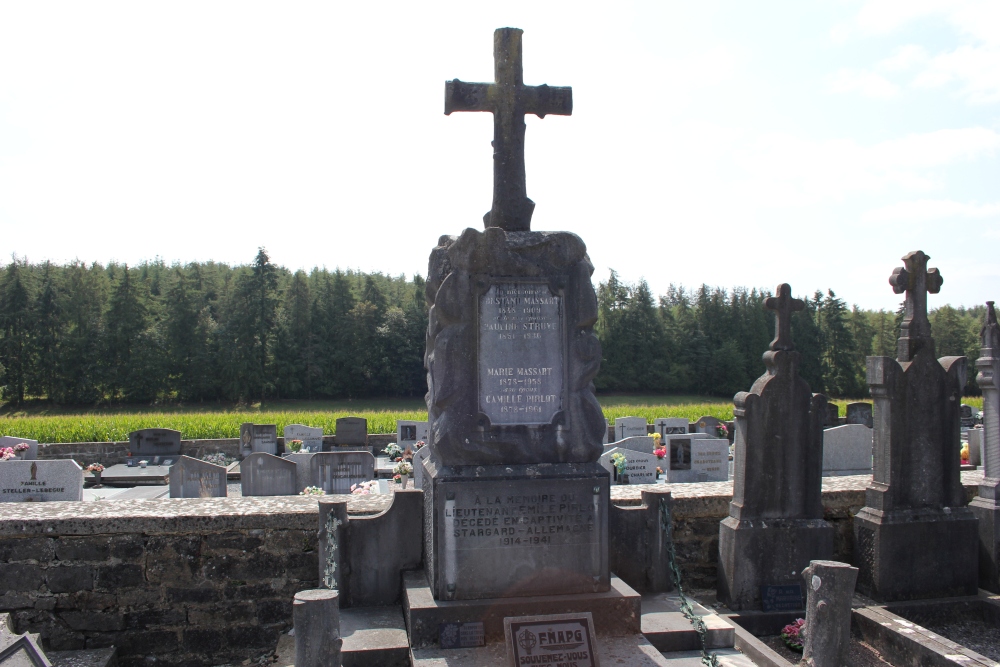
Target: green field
{"x": 223, "y": 421}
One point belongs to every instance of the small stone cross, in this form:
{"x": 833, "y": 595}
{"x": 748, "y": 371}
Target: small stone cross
{"x": 508, "y": 100}
{"x": 783, "y": 306}
{"x": 916, "y": 280}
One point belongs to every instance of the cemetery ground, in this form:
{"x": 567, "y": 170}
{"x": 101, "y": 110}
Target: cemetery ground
{"x": 47, "y": 423}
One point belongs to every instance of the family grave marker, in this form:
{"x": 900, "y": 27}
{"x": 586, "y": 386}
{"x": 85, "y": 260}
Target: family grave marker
{"x": 264, "y": 474}
{"x": 639, "y": 466}
{"x": 352, "y": 431}
{"x": 697, "y": 460}
{"x": 860, "y": 413}
{"x": 258, "y": 438}
{"x": 630, "y": 427}
{"x": 40, "y": 481}
{"x": 336, "y": 472}
{"x": 671, "y": 426}
{"x": 11, "y": 441}
{"x": 193, "y": 478}
{"x": 158, "y": 446}
{"x": 311, "y": 437}
{"x": 847, "y": 450}
{"x": 409, "y": 433}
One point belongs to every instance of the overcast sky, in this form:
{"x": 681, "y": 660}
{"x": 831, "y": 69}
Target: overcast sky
{"x": 728, "y": 143}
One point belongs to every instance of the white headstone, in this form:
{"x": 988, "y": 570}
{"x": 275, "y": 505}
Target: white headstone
{"x": 670, "y": 426}
{"x": 193, "y": 478}
{"x": 38, "y": 481}
{"x": 419, "y": 457}
{"x": 847, "y": 450}
{"x": 311, "y": 437}
{"x": 692, "y": 459}
{"x": 645, "y": 444}
{"x": 639, "y": 466}
{"x": 629, "y": 427}
{"x": 976, "y": 446}
{"x": 409, "y": 433}
{"x": 337, "y": 472}
{"x": 11, "y": 441}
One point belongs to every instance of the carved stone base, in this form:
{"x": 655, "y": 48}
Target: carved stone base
{"x": 767, "y": 552}
{"x": 988, "y": 513}
{"x": 515, "y": 531}
{"x": 916, "y": 554}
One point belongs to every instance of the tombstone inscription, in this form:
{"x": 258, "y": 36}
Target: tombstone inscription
{"x": 258, "y": 438}
{"x": 159, "y": 446}
{"x": 40, "y": 481}
{"x": 639, "y": 466}
{"x": 630, "y": 427}
{"x": 311, "y": 437}
{"x": 336, "y": 472}
{"x": 511, "y": 355}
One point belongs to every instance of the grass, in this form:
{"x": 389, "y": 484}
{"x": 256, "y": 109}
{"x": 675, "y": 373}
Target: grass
{"x": 197, "y": 421}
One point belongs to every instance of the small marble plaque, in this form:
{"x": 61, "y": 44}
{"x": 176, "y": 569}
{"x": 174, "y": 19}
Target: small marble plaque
{"x": 193, "y": 478}
{"x": 39, "y": 481}
{"x": 268, "y": 475}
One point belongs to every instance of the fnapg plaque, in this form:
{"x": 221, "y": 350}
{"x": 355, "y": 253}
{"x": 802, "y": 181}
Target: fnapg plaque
{"x": 520, "y": 353}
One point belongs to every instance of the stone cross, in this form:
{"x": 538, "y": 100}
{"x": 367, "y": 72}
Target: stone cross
{"x": 916, "y": 280}
{"x": 508, "y": 100}
{"x": 783, "y": 306}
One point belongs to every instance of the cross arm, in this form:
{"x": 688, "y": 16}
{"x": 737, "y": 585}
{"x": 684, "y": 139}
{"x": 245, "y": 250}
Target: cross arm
{"x": 544, "y": 99}
{"x": 463, "y": 96}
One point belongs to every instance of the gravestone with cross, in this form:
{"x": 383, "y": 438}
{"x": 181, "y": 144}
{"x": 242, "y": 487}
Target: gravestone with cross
{"x": 511, "y": 355}
{"x": 986, "y": 506}
{"x": 916, "y": 508}
{"x": 775, "y": 524}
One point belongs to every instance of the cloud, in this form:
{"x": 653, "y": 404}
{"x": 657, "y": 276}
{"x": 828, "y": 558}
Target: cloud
{"x": 868, "y": 84}
{"x": 921, "y": 210}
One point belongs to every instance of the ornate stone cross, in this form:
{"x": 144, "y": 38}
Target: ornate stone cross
{"x": 916, "y": 280}
{"x": 783, "y": 306}
{"x": 508, "y": 100}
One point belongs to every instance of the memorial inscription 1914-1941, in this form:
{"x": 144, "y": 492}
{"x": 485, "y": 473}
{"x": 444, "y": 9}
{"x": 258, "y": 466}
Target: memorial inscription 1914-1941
{"x": 520, "y": 353}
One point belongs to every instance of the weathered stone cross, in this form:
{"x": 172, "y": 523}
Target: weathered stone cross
{"x": 916, "y": 280}
{"x": 508, "y": 100}
{"x": 783, "y": 306}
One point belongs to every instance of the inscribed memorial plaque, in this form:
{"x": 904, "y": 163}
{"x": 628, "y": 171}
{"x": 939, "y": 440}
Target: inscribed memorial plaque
{"x": 149, "y": 443}
{"x": 35, "y": 481}
{"x": 520, "y": 353}
{"x": 556, "y": 639}
{"x": 312, "y": 438}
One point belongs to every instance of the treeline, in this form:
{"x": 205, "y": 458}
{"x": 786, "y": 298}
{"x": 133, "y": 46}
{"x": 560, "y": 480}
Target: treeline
{"x": 87, "y": 334}
{"x": 91, "y": 334}
{"x": 710, "y": 340}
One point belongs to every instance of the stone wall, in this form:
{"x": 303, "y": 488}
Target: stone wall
{"x": 210, "y": 581}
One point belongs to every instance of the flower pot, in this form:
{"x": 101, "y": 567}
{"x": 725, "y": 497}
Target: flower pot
{"x": 405, "y": 480}
{"x": 97, "y": 478}
{"x": 623, "y": 478}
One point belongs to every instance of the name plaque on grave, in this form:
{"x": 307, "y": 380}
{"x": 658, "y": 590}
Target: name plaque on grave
{"x": 520, "y": 353}
{"x": 555, "y": 639}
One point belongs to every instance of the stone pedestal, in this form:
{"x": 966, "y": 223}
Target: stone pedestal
{"x": 759, "y": 552}
{"x": 829, "y": 593}
{"x": 515, "y": 531}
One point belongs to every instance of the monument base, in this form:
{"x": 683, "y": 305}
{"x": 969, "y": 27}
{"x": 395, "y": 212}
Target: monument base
{"x": 616, "y": 611}
{"x": 767, "y": 552}
{"x": 988, "y": 513}
{"x": 515, "y": 530}
{"x": 916, "y": 554}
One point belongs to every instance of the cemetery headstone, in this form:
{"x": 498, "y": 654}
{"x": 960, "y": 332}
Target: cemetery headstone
{"x": 916, "y": 507}
{"x": 258, "y": 438}
{"x": 409, "y": 433}
{"x": 158, "y": 446}
{"x": 419, "y": 457}
{"x": 860, "y": 413}
{"x": 511, "y": 356}
{"x": 303, "y": 474}
{"x": 192, "y": 478}
{"x": 709, "y": 425}
{"x": 775, "y": 524}
{"x": 630, "y": 427}
{"x": 832, "y": 417}
{"x": 12, "y": 441}
{"x": 697, "y": 460}
{"x": 976, "y": 447}
{"x": 847, "y": 450}
{"x": 336, "y": 472}
{"x": 986, "y": 506}
{"x": 268, "y": 475}
{"x": 639, "y": 466}
{"x": 352, "y": 431}
{"x": 644, "y": 443}
{"x": 39, "y": 481}
{"x": 671, "y": 426}
{"x": 311, "y": 437}
{"x": 968, "y": 416}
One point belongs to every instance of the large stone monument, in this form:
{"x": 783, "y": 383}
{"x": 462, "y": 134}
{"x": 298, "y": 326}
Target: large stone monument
{"x": 516, "y": 501}
{"x": 775, "y": 524}
{"x": 986, "y": 506}
{"x": 915, "y": 537}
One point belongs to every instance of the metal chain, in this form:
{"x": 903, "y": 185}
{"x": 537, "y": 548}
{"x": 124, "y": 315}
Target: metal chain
{"x": 711, "y": 660}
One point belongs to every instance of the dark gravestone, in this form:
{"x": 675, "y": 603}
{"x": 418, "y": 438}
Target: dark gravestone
{"x": 860, "y": 413}
{"x": 832, "y": 416}
{"x": 915, "y": 510}
{"x": 268, "y": 475}
{"x": 986, "y": 506}
{"x": 775, "y": 524}
{"x": 258, "y": 438}
{"x": 158, "y": 446}
{"x": 352, "y": 431}
{"x": 336, "y": 472}
{"x": 968, "y": 420}
{"x": 191, "y": 478}
{"x": 511, "y": 355}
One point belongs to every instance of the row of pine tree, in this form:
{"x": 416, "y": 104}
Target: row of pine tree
{"x": 81, "y": 334}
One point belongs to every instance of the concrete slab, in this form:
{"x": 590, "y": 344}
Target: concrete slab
{"x": 143, "y": 493}
{"x": 134, "y": 475}
{"x": 102, "y": 492}
{"x": 667, "y": 629}
{"x": 630, "y": 651}
{"x": 727, "y": 657}
{"x": 374, "y": 636}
